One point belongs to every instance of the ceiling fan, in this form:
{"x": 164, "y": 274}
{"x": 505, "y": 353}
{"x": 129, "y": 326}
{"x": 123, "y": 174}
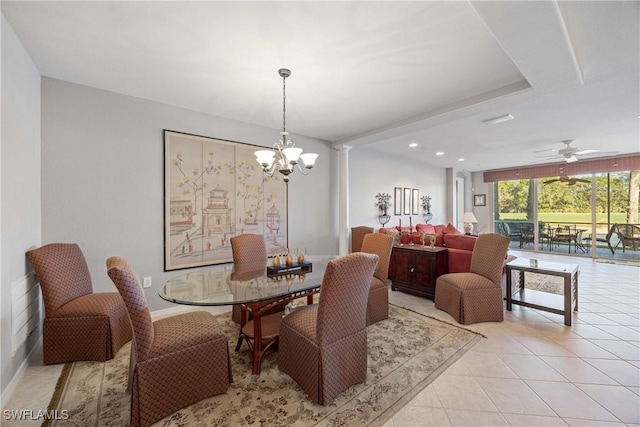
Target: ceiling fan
{"x": 571, "y": 154}
{"x": 565, "y": 180}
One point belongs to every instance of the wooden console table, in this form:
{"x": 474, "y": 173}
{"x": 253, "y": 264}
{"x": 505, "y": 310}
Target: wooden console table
{"x": 416, "y": 268}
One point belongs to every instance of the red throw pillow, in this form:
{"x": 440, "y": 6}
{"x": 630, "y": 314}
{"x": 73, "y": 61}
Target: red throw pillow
{"x": 450, "y": 229}
{"x": 426, "y": 228}
{"x": 439, "y": 228}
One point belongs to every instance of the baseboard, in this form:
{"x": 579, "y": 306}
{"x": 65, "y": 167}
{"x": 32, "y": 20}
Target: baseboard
{"x": 8, "y": 391}
{"x": 171, "y": 311}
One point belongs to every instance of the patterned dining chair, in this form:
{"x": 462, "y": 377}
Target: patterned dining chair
{"x": 476, "y": 296}
{"x": 378, "y": 303}
{"x": 250, "y": 249}
{"x": 323, "y": 346}
{"x": 175, "y": 361}
{"x": 78, "y": 324}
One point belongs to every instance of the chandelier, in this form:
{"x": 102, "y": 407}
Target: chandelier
{"x": 285, "y": 156}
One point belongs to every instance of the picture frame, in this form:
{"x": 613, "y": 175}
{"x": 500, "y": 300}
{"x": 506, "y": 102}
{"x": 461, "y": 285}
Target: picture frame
{"x": 480, "y": 200}
{"x": 397, "y": 201}
{"x": 213, "y": 190}
{"x": 415, "y": 202}
{"x": 407, "y": 201}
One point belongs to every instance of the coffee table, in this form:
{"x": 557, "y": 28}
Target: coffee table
{"x": 558, "y": 304}
{"x": 252, "y": 289}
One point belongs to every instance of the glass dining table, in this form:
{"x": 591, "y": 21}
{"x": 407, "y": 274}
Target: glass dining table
{"x": 255, "y": 290}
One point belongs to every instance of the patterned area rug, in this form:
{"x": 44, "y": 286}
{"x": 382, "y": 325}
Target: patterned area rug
{"x": 406, "y": 353}
{"x": 545, "y": 283}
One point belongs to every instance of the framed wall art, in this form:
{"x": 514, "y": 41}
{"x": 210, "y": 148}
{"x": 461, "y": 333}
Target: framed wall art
{"x": 407, "y": 201}
{"x": 213, "y": 190}
{"x": 397, "y": 201}
{"x": 415, "y": 202}
{"x": 480, "y": 200}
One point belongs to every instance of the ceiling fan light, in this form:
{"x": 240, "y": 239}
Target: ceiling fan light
{"x": 571, "y": 159}
{"x": 499, "y": 119}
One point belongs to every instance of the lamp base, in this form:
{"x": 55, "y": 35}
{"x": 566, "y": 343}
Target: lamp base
{"x": 468, "y": 228}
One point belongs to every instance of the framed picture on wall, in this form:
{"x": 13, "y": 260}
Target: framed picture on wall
{"x": 407, "y": 201}
{"x": 397, "y": 201}
{"x": 480, "y": 200}
{"x": 214, "y": 190}
{"x": 415, "y": 202}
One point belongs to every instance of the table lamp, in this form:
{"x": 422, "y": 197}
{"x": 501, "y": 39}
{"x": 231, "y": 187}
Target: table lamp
{"x": 468, "y": 219}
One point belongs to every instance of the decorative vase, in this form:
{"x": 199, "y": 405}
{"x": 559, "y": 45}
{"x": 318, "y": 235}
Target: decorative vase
{"x": 384, "y": 218}
{"x": 276, "y": 261}
{"x": 427, "y": 217}
{"x": 300, "y": 258}
{"x": 289, "y": 260}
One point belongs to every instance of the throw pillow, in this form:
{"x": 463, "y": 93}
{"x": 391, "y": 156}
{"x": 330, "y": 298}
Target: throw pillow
{"x": 450, "y": 229}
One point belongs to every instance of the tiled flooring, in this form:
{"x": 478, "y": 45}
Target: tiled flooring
{"x": 532, "y": 370}
{"x": 535, "y": 371}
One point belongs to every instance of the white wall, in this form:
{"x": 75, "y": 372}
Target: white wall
{"x": 484, "y": 214}
{"x": 102, "y": 178}
{"x": 20, "y": 221}
{"x": 371, "y": 173}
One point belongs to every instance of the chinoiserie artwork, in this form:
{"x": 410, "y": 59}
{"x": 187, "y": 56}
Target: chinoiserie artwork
{"x": 214, "y": 190}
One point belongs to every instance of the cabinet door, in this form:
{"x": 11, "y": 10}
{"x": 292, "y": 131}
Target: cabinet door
{"x": 401, "y": 266}
{"x": 422, "y": 265}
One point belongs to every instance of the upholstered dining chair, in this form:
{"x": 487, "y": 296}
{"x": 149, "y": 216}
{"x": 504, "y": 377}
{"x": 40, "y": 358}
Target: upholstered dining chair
{"x": 78, "y": 324}
{"x": 476, "y": 296}
{"x": 175, "y": 361}
{"x": 250, "y": 249}
{"x": 378, "y": 303}
{"x": 323, "y": 346}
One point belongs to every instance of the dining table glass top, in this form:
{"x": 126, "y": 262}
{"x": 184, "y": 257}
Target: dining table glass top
{"x": 233, "y": 284}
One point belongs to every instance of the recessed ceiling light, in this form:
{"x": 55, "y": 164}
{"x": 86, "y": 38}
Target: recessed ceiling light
{"x": 500, "y": 119}
{"x": 413, "y": 145}
{"x": 461, "y": 159}
{"x": 440, "y": 153}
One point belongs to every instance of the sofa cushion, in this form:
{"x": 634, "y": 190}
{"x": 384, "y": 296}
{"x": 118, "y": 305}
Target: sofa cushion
{"x": 450, "y": 229}
{"x": 426, "y": 228}
{"x": 459, "y": 241}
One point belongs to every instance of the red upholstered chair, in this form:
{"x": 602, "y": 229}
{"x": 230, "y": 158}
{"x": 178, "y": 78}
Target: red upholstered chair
{"x": 476, "y": 296}
{"x": 378, "y": 303}
{"x": 175, "y": 361}
{"x": 323, "y": 346}
{"x": 250, "y": 249}
{"x": 78, "y": 324}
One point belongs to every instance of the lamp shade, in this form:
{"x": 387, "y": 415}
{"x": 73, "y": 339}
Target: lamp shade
{"x": 469, "y": 217}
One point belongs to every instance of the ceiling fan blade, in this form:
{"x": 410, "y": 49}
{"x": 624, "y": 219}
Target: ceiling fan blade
{"x": 599, "y": 154}
{"x": 586, "y": 181}
{"x": 551, "y": 181}
{"x": 548, "y": 150}
{"x": 583, "y": 152}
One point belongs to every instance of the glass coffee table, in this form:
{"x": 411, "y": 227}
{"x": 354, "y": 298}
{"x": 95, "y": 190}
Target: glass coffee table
{"x": 254, "y": 290}
{"x": 559, "y": 304}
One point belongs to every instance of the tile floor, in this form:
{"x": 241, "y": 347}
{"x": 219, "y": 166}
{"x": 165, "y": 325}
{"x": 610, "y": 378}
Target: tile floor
{"x": 532, "y": 370}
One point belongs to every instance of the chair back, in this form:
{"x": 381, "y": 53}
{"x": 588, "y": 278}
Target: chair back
{"x": 488, "y": 256}
{"x": 129, "y": 288}
{"x": 62, "y": 272}
{"x": 342, "y": 307}
{"x": 248, "y": 248}
{"x": 357, "y": 236}
{"x": 379, "y": 244}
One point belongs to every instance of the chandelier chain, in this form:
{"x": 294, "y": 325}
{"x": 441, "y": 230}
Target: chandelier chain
{"x": 284, "y": 105}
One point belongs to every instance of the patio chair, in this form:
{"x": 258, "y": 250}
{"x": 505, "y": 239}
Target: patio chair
{"x": 629, "y": 236}
{"x": 606, "y": 239}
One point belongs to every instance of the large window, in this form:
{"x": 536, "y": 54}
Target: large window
{"x": 570, "y": 217}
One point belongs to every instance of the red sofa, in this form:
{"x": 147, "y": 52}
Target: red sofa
{"x": 460, "y": 247}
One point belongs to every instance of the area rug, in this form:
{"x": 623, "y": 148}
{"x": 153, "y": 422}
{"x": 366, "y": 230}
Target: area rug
{"x": 405, "y": 353}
